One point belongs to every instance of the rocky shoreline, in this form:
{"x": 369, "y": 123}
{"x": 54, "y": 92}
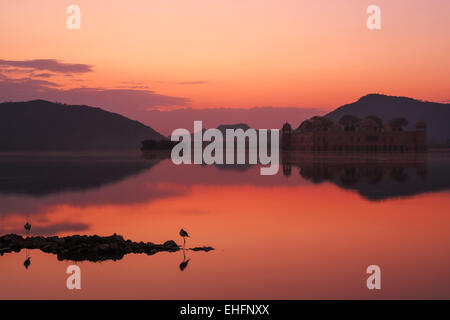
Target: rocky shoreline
{"x": 87, "y": 248}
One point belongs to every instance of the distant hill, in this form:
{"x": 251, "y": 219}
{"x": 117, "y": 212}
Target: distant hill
{"x": 223, "y": 127}
{"x": 41, "y": 125}
{"x": 437, "y": 115}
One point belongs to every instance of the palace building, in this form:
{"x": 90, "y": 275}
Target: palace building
{"x": 320, "y": 134}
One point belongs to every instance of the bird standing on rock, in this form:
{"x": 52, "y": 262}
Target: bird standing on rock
{"x": 184, "y": 234}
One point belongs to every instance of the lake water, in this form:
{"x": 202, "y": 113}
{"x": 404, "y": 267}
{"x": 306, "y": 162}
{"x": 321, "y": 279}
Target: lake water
{"x": 308, "y": 232}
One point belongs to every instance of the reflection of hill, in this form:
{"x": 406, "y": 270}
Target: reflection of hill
{"x": 234, "y": 167}
{"x": 375, "y": 177}
{"x": 45, "y": 174}
{"x": 120, "y": 179}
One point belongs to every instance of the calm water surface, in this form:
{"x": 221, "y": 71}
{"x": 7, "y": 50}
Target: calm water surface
{"x": 308, "y": 232}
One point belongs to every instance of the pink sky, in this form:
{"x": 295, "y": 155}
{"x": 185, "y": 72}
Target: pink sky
{"x": 135, "y": 55}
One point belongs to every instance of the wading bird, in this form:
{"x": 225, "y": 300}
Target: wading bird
{"x": 184, "y": 234}
{"x": 27, "y": 226}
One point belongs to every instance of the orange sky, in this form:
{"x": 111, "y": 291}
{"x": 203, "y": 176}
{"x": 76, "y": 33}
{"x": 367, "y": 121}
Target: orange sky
{"x": 241, "y": 54}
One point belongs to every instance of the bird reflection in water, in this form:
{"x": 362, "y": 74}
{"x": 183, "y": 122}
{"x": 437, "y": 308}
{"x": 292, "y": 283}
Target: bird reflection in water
{"x": 27, "y": 261}
{"x": 185, "y": 262}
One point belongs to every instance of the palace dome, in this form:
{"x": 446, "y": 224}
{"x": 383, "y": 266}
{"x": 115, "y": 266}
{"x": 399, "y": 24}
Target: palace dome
{"x": 286, "y": 127}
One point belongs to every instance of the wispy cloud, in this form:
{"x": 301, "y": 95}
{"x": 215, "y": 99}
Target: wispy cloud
{"x": 22, "y": 80}
{"x": 42, "y": 75}
{"x": 125, "y": 101}
{"x": 51, "y": 65}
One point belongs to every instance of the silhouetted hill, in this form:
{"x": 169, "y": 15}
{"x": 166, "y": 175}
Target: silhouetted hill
{"x": 437, "y": 115}
{"x": 41, "y": 124}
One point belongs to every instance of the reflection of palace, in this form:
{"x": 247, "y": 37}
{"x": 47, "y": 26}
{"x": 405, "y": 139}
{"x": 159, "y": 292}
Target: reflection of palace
{"x": 367, "y": 135}
{"x": 350, "y": 169}
{"x": 374, "y": 176}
